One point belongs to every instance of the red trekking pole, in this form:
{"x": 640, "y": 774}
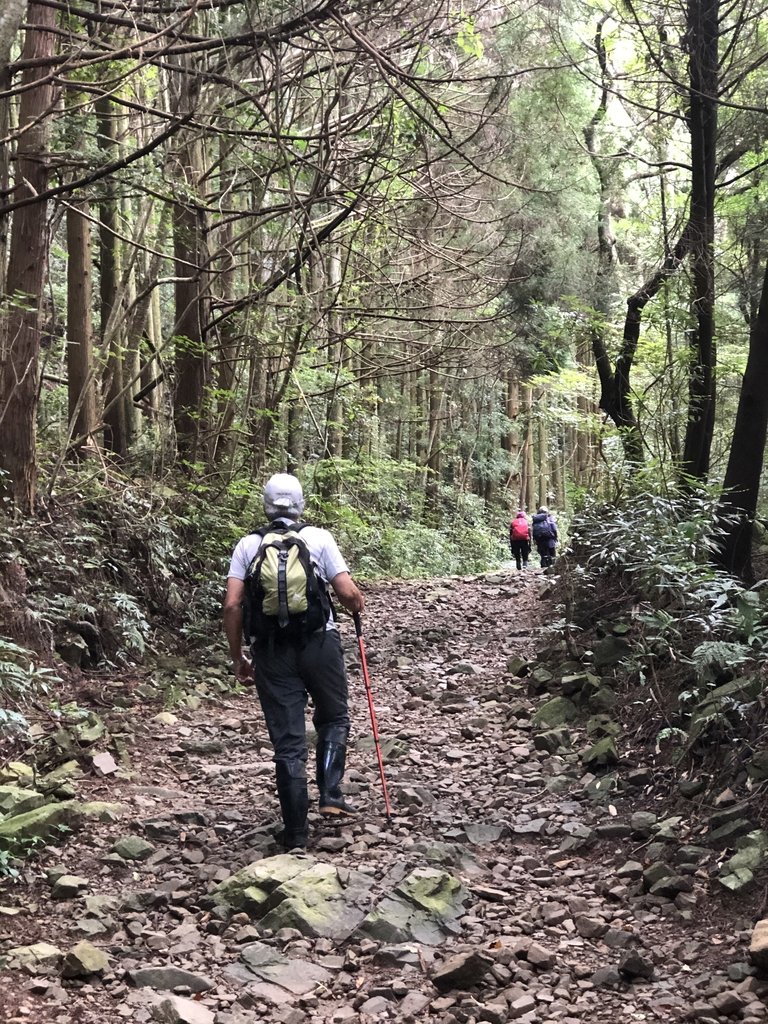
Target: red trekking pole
{"x": 367, "y": 679}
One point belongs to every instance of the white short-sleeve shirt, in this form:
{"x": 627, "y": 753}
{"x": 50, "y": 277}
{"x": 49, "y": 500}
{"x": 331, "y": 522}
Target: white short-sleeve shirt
{"x": 322, "y": 547}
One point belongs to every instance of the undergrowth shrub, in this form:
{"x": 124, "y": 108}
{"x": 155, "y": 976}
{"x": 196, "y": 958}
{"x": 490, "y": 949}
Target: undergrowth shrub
{"x": 22, "y": 679}
{"x": 648, "y": 559}
{"x": 392, "y": 541}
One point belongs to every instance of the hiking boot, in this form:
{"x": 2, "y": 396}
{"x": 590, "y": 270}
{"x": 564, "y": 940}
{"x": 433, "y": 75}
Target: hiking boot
{"x": 331, "y": 759}
{"x": 336, "y": 807}
{"x": 291, "y": 779}
{"x": 291, "y": 840}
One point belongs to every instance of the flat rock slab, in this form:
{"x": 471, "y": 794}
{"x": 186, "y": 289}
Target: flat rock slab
{"x": 297, "y": 976}
{"x": 165, "y": 979}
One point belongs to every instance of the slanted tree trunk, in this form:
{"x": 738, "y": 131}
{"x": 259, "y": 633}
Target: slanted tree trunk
{"x": 28, "y": 258}
{"x": 702, "y": 34}
{"x": 741, "y": 486}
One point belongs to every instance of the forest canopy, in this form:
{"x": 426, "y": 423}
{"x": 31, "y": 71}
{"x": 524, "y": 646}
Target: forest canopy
{"x": 440, "y": 258}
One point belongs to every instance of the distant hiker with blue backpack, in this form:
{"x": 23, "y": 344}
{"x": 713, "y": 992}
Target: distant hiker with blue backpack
{"x": 544, "y": 531}
{"x": 520, "y": 539}
{"x": 277, "y": 597}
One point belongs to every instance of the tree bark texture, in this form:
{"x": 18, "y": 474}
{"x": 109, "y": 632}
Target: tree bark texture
{"x": 20, "y": 328}
{"x": 11, "y": 18}
{"x": 741, "y": 486}
{"x": 110, "y": 260}
{"x": 702, "y": 26}
{"x": 80, "y": 377}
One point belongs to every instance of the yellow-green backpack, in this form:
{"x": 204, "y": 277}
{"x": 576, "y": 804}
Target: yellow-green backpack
{"x": 285, "y": 597}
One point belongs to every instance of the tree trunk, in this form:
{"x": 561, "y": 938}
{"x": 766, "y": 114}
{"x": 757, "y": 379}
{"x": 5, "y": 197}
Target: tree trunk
{"x": 80, "y": 365}
{"x": 434, "y": 459}
{"x": 191, "y": 358}
{"x": 223, "y": 444}
{"x": 542, "y": 453}
{"x": 528, "y": 493}
{"x": 11, "y": 18}
{"x": 702, "y": 26}
{"x": 110, "y": 258}
{"x": 741, "y": 486}
{"x": 28, "y": 258}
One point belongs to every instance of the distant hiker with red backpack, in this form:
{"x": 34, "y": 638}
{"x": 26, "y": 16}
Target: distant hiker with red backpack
{"x": 277, "y": 594}
{"x": 520, "y": 539}
{"x": 545, "y": 536}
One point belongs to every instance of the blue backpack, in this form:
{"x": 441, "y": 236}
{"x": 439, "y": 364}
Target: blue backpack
{"x": 543, "y": 527}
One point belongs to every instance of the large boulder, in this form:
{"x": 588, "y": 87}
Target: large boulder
{"x": 297, "y": 892}
{"x": 318, "y": 903}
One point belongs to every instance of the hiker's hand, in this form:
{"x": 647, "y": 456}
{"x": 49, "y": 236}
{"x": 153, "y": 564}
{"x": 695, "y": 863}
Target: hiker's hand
{"x": 348, "y": 594}
{"x": 243, "y": 670}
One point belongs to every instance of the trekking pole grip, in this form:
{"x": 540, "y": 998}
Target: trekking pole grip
{"x": 358, "y": 623}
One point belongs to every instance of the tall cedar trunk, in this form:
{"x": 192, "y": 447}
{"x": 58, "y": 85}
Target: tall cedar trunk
{"x": 542, "y": 453}
{"x": 260, "y": 423}
{"x": 583, "y": 430}
{"x": 134, "y": 329}
{"x": 222, "y": 446}
{"x": 702, "y": 25}
{"x": 557, "y": 472}
{"x": 741, "y": 486}
{"x": 294, "y": 436}
{"x": 80, "y": 376}
{"x": 11, "y": 18}
{"x": 528, "y": 493}
{"x": 110, "y": 257}
{"x": 510, "y": 439}
{"x": 334, "y": 430}
{"x": 28, "y": 258}
{"x": 434, "y": 458}
{"x": 191, "y": 358}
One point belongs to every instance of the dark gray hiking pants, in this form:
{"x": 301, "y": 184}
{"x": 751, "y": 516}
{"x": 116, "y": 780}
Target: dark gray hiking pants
{"x": 285, "y": 674}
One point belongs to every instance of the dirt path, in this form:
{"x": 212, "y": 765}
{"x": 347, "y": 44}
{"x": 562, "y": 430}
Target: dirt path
{"x": 553, "y": 902}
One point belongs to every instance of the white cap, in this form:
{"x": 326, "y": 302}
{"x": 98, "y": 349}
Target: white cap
{"x": 283, "y": 496}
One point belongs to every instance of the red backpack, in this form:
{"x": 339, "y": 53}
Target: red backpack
{"x": 519, "y": 529}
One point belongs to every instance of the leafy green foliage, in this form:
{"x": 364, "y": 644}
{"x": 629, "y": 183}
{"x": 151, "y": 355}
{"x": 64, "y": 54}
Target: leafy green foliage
{"x": 691, "y": 620}
{"x": 379, "y": 519}
{"x": 21, "y": 680}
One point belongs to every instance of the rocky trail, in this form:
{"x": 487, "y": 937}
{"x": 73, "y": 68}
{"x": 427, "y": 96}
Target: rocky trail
{"x": 516, "y": 880}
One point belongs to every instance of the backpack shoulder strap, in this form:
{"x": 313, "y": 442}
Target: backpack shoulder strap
{"x": 281, "y": 527}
